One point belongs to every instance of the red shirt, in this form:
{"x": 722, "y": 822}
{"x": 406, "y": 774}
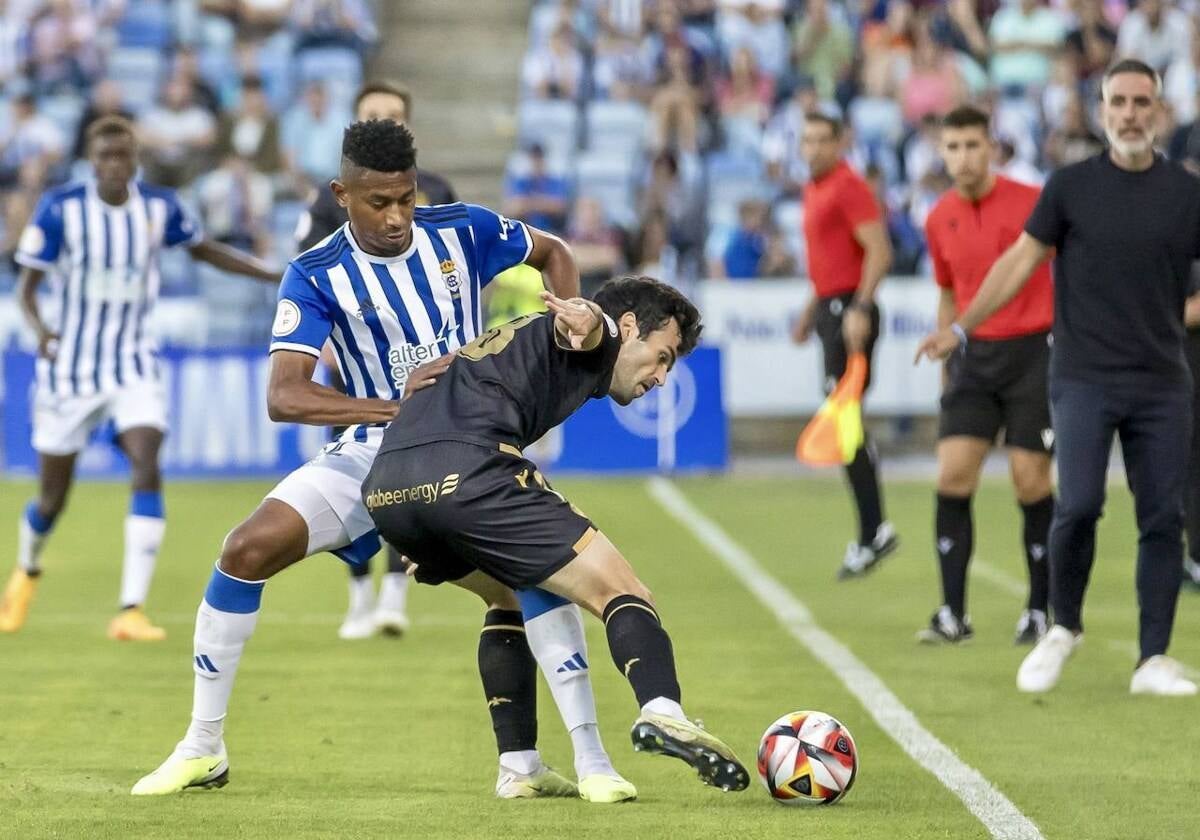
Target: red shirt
{"x": 834, "y": 205}
{"x": 966, "y": 237}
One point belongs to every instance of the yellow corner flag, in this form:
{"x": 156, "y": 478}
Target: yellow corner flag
{"x": 836, "y": 431}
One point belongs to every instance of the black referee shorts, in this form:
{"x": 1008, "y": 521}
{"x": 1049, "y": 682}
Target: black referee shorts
{"x": 1000, "y": 384}
{"x": 455, "y": 507}
{"x": 833, "y": 346}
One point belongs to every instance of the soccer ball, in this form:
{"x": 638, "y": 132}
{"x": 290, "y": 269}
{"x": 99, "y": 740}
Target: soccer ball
{"x": 807, "y": 758}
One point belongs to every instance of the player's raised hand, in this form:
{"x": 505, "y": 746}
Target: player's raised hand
{"x": 423, "y": 376}
{"x": 575, "y": 319}
{"x": 937, "y": 345}
{"x": 48, "y": 344}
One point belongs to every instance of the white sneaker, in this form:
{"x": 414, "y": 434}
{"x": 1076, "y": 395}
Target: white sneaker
{"x": 390, "y": 622}
{"x": 1040, "y": 670}
{"x": 1163, "y": 676}
{"x": 543, "y": 782}
{"x": 359, "y": 622}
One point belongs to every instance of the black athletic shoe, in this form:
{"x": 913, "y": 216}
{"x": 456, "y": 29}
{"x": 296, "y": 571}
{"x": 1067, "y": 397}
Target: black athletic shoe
{"x": 944, "y": 628}
{"x": 861, "y": 559}
{"x": 689, "y": 742}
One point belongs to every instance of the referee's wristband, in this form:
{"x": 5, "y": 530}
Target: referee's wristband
{"x": 960, "y": 334}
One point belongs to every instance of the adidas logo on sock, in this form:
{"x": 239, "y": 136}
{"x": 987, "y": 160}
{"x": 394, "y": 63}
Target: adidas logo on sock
{"x": 944, "y": 545}
{"x": 575, "y": 663}
{"x": 205, "y": 664}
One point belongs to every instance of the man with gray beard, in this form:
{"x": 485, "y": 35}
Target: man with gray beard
{"x": 1126, "y": 227}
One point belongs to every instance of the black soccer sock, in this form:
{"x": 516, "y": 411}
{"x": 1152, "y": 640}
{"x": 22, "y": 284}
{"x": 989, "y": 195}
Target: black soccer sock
{"x": 955, "y": 532}
{"x": 641, "y": 648}
{"x": 1038, "y": 516}
{"x": 864, "y": 484}
{"x": 509, "y": 674}
{"x": 395, "y": 561}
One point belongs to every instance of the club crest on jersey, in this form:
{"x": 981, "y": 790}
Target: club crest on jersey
{"x": 451, "y": 278}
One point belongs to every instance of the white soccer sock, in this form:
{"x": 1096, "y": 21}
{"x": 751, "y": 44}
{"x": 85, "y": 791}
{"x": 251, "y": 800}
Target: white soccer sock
{"x": 361, "y": 594}
{"x": 664, "y": 706}
{"x": 525, "y": 762}
{"x": 143, "y": 536}
{"x": 29, "y": 546}
{"x": 393, "y": 592}
{"x": 218, "y": 644}
{"x": 558, "y": 643}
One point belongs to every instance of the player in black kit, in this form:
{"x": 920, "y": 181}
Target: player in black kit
{"x": 451, "y": 490}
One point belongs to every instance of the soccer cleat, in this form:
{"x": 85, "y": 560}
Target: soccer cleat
{"x": 545, "y": 782}
{"x": 1161, "y": 676}
{"x": 131, "y": 625}
{"x": 945, "y": 628}
{"x": 861, "y": 559}
{"x": 1191, "y": 573}
{"x": 357, "y": 626}
{"x": 685, "y": 740}
{"x": 606, "y": 790}
{"x": 1042, "y": 666}
{"x": 390, "y": 622}
{"x": 178, "y": 773}
{"x": 14, "y": 603}
{"x": 1031, "y": 626}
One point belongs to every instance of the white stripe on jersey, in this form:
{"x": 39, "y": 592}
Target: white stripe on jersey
{"x": 441, "y": 295}
{"x": 469, "y": 305}
{"x": 339, "y": 279}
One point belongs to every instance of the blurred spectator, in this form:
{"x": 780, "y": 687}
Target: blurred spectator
{"x": 824, "y": 46}
{"x": 673, "y": 192}
{"x": 235, "y": 203}
{"x": 920, "y": 152}
{"x": 177, "y": 137}
{"x": 1181, "y": 83}
{"x": 676, "y": 104}
{"x": 1155, "y": 34}
{"x": 619, "y": 69}
{"x": 746, "y": 94}
{"x": 904, "y": 225}
{"x": 555, "y": 69}
{"x": 1011, "y": 165}
{"x": 30, "y": 149}
{"x": 1093, "y": 42}
{"x": 13, "y": 27}
{"x": 312, "y": 137}
{"x": 260, "y": 18}
{"x": 252, "y": 131}
{"x": 786, "y": 168}
{"x": 1062, "y": 88}
{"x": 654, "y": 256}
{"x": 1185, "y": 141}
{"x": 1025, "y": 36}
{"x": 960, "y": 27}
{"x": 540, "y": 197}
{"x": 595, "y": 243}
{"x": 63, "y": 51}
{"x": 334, "y": 23}
{"x": 887, "y": 49}
{"x": 186, "y": 69}
{"x": 1073, "y": 140}
{"x": 758, "y": 25}
{"x": 747, "y": 245}
{"x": 106, "y": 101}
{"x": 669, "y": 31}
{"x": 933, "y": 85}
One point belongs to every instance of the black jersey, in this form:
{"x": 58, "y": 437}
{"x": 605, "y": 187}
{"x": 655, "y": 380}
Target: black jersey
{"x": 325, "y": 215}
{"x": 510, "y": 386}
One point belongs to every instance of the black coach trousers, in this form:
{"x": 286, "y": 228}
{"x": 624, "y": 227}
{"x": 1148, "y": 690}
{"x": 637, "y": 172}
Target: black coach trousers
{"x": 1154, "y": 425}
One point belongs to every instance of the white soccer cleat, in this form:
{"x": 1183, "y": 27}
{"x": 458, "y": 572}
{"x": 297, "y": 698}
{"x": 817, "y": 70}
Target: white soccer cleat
{"x": 1043, "y": 665}
{"x": 1161, "y": 676}
{"x": 545, "y": 781}
{"x": 359, "y": 622}
{"x": 179, "y": 772}
{"x": 390, "y": 622}
{"x": 357, "y": 626}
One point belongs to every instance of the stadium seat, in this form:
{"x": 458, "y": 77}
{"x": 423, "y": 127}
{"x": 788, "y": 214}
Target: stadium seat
{"x": 616, "y": 127}
{"x": 138, "y": 71}
{"x": 338, "y": 67}
{"x": 146, "y": 23}
{"x": 553, "y": 124}
{"x": 876, "y": 120}
{"x": 609, "y": 178}
{"x": 64, "y": 110}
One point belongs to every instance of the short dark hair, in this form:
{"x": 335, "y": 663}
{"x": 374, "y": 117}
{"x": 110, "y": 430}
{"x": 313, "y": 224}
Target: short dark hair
{"x": 380, "y": 145}
{"x": 1132, "y": 65}
{"x": 109, "y": 126}
{"x": 835, "y": 125}
{"x": 967, "y": 116}
{"x": 388, "y": 87}
{"x": 654, "y": 304}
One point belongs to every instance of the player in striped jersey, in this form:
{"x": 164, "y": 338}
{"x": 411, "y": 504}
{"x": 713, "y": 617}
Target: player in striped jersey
{"x": 396, "y": 289}
{"x": 99, "y": 243}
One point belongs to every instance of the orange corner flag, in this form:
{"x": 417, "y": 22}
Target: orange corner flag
{"x": 836, "y": 431}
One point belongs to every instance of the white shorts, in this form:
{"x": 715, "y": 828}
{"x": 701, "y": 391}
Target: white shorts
{"x": 327, "y": 493}
{"x": 62, "y": 425}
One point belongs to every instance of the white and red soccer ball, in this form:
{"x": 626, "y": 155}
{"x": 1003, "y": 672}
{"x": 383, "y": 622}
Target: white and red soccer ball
{"x": 807, "y": 758}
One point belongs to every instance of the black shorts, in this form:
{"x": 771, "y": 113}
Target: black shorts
{"x": 833, "y": 346}
{"x": 1000, "y": 384}
{"x": 455, "y": 507}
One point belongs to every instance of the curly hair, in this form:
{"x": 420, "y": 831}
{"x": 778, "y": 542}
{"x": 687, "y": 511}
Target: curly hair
{"x": 379, "y": 145}
{"x": 654, "y": 304}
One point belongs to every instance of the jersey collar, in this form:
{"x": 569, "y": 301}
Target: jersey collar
{"x": 358, "y": 251}
{"x": 130, "y": 199}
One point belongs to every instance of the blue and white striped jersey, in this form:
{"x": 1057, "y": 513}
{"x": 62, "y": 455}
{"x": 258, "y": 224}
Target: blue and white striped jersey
{"x": 387, "y": 315}
{"x": 102, "y": 263}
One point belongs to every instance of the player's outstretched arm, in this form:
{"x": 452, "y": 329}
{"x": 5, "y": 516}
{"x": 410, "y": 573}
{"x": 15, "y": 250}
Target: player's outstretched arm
{"x": 293, "y": 397}
{"x": 577, "y": 322}
{"x": 27, "y": 286}
{"x": 1008, "y": 275}
{"x": 222, "y": 256}
{"x": 553, "y": 258}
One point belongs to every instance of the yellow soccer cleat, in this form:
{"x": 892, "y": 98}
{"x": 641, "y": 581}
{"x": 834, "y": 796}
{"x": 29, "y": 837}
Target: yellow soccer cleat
{"x": 605, "y": 790}
{"x": 178, "y": 773}
{"x": 131, "y": 625}
{"x": 545, "y": 782}
{"x": 14, "y": 604}
{"x": 708, "y": 755}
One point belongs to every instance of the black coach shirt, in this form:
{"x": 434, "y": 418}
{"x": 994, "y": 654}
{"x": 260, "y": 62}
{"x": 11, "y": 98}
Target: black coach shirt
{"x": 1125, "y": 242}
{"x": 511, "y": 385}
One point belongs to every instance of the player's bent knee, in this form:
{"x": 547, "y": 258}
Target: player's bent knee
{"x": 248, "y": 553}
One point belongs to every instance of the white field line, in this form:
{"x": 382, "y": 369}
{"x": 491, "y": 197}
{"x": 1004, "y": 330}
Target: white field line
{"x": 998, "y": 815}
